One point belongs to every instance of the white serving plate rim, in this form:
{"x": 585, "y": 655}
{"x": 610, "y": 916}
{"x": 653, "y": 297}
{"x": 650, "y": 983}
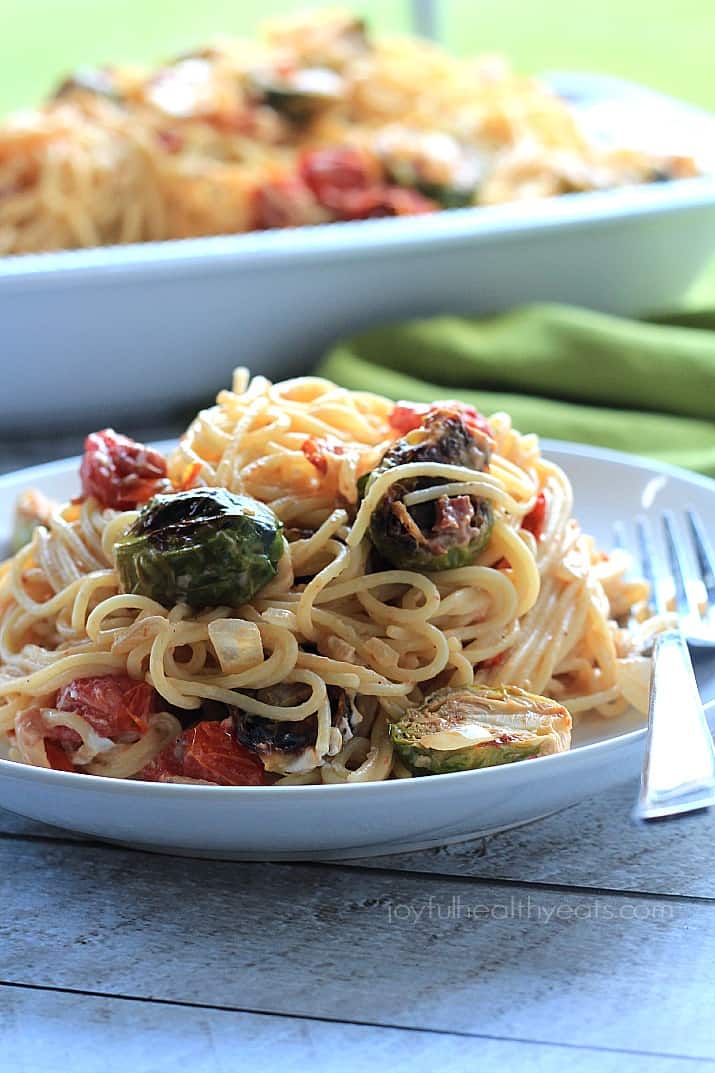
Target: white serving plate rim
{"x": 9, "y": 768}
{"x": 545, "y": 764}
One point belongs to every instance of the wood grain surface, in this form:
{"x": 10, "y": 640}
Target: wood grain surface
{"x": 46, "y": 1031}
{"x": 512, "y": 960}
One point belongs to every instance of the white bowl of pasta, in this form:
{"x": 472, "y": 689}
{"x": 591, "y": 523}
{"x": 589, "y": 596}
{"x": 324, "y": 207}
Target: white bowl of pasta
{"x": 141, "y": 702}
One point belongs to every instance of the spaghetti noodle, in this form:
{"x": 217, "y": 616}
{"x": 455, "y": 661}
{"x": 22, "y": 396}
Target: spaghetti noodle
{"x": 310, "y": 671}
{"x": 315, "y": 123}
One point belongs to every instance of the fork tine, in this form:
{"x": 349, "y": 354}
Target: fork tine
{"x": 647, "y": 558}
{"x": 704, "y": 553}
{"x": 684, "y": 602}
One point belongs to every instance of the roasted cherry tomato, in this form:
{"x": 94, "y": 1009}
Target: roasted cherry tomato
{"x": 120, "y": 473}
{"x": 114, "y": 705}
{"x": 349, "y": 184}
{"x": 381, "y": 200}
{"x": 536, "y": 518}
{"x": 57, "y": 757}
{"x": 209, "y": 751}
{"x": 406, "y": 416}
{"x": 319, "y": 450}
{"x": 213, "y": 753}
{"x": 331, "y": 172}
{"x": 169, "y": 762}
{"x": 285, "y": 202}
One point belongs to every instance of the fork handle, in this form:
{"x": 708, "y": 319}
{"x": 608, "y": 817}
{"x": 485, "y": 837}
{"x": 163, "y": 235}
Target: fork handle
{"x": 679, "y": 764}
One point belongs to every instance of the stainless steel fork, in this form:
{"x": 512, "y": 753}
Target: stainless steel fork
{"x": 679, "y": 765}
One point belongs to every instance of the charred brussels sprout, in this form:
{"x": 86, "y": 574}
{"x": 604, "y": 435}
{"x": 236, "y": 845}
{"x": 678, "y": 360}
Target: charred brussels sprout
{"x": 301, "y": 95}
{"x": 442, "y": 436}
{"x": 268, "y": 736}
{"x": 283, "y": 745}
{"x": 204, "y": 547}
{"x": 436, "y": 164}
{"x": 453, "y": 194}
{"x": 469, "y": 727}
{"x": 449, "y": 197}
{"x": 441, "y": 533}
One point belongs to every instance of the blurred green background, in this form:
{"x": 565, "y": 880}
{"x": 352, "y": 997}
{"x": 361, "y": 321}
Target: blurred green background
{"x": 665, "y": 45}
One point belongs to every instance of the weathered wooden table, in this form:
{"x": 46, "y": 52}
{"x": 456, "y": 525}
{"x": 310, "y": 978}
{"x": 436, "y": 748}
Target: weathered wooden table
{"x": 580, "y": 943}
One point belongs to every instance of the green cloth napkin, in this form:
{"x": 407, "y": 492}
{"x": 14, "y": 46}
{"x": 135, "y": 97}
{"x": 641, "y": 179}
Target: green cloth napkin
{"x": 563, "y": 372}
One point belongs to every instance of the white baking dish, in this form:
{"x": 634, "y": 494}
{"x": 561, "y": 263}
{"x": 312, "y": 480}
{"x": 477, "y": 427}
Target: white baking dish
{"x": 136, "y": 332}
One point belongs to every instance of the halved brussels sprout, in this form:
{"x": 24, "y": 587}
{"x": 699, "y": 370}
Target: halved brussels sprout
{"x": 268, "y": 736}
{"x": 285, "y": 746}
{"x": 467, "y": 727}
{"x": 442, "y": 533}
{"x": 206, "y": 547}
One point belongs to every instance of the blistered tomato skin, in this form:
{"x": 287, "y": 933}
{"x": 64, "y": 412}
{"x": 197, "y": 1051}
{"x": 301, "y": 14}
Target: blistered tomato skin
{"x": 57, "y": 758}
{"x": 120, "y": 473}
{"x": 113, "y": 705}
{"x": 320, "y": 450}
{"x": 285, "y": 202}
{"x": 208, "y": 752}
{"x": 351, "y": 185}
{"x": 331, "y": 173}
{"x": 378, "y": 201}
{"x": 535, "y": 520}
{"x": 406, "y": 416}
